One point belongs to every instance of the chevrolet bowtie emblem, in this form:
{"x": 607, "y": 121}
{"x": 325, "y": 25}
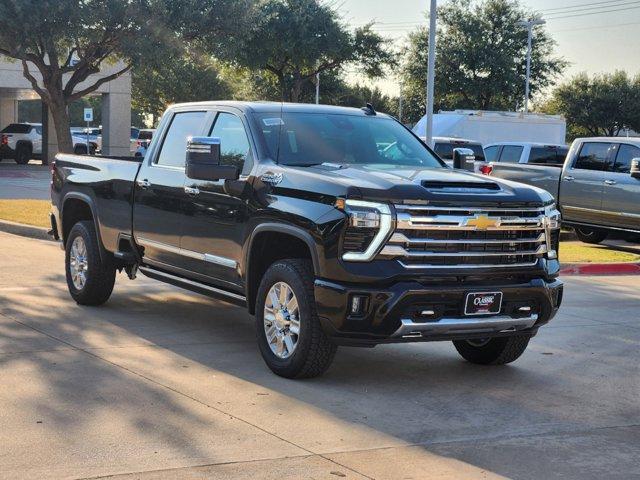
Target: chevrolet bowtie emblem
{"x": 482, "y": 222}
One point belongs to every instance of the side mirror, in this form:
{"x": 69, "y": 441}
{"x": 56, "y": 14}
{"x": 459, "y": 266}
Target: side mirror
{"x": 463, "y": 158}
{"x": 203, "y": 160}
{"x": 635, "y": 168}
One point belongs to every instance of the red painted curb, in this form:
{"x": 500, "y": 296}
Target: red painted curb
{"x": 601, "y": 269}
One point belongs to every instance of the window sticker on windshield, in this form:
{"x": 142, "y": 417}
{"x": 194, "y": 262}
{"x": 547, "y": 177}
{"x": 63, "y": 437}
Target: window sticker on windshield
{"x": 270, "y": 122}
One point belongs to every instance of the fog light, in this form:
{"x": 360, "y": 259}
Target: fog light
{"x": 358, "y": 304}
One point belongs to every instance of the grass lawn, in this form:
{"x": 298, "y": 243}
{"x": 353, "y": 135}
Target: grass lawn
{"x": 30, "y": 212}
{"x": 578, "y": 252}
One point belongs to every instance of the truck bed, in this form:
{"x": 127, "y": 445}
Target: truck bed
{"x": 541, "y": 176}
{"x": 106, "y": 183}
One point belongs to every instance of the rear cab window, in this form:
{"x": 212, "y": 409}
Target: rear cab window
{"x": 511, "y": 154}
{"x": 593, "y": 156}
{"x": 550, "y": 155}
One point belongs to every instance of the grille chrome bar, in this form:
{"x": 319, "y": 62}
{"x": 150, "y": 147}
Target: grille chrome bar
{"x": 498, "y": 323}
{"x": 429, "y": 236}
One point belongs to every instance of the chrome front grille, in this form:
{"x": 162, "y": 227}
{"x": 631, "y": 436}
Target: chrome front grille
{"x": 466, "y": 237}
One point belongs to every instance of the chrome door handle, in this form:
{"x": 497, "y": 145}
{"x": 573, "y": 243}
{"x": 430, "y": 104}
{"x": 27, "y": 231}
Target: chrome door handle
{"x": 610, "y": 182}
{"x": 144, "y": 183}
{"x": 192, "y": 190}
{"x": 569, "y": 178}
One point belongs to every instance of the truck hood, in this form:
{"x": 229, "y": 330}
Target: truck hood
{"x": 390, "y": 183}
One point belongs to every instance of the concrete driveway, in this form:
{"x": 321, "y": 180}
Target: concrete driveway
{"x": 162, "y": 383}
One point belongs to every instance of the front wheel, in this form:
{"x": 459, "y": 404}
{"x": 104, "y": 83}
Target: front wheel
{"x": 492, "y": 351}
{"x": 288, "y": 330}
{"x": 591, "y": 235}
{"x": 90, "y": 278}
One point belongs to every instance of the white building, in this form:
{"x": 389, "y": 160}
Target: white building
{"x": 116, "y": 105}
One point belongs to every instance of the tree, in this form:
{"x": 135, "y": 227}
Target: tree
{"x": 293, "y": 40}
{"x": 481, "y": 58}
{"x": 179, "y": 78}
{"x": 601, "y": 105}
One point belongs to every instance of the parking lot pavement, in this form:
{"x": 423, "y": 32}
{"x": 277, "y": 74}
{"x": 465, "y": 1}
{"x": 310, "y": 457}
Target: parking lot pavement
{"x": 162, "y": 383}
{"x": 24, "y": 181}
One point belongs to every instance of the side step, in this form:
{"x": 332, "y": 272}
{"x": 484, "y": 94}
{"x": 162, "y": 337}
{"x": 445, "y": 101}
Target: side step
{"x": 194, "y": 286}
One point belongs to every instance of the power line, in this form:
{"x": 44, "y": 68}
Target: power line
{"x": 599, "y": 27}
{"x": 620, "y": 3}
{"x": 578, "y": 5}
{"x": 593, "y": 13}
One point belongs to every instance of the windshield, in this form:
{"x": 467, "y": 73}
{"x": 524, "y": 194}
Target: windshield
{"x": 315, "y": 138}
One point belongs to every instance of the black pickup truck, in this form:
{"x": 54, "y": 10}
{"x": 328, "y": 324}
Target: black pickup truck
{"x": 333, "y": 226}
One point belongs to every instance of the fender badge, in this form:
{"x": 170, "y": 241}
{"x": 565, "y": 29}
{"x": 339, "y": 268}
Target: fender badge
{"x": 272, "y": 178}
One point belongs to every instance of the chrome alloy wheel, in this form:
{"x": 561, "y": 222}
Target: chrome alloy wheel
{"x": 281, "y": 320}
{"x": 78, "y": 264}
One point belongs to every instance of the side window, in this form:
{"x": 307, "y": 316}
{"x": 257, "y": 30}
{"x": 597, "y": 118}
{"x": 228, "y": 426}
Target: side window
{"x": 234, "y": 144}
{"x": 551, "y": 156}
{"x": 173, "y": 152}
{"x": 511, "y": 154}
{"x": 593, "y": 156}
{"x": 491, "y": 153}
{"x": 626, "y": 153}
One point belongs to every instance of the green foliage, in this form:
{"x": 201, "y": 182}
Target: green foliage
{"x": 480, "y": 58}
{"x": 293, "y": 40}
{"x": 600, "y": 105}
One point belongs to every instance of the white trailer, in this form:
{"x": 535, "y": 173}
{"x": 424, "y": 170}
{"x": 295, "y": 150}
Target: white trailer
{"x": 491, "y": 127}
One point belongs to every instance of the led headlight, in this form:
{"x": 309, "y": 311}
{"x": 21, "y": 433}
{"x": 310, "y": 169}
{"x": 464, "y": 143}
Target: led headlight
{"x": 366, "y": 216}
{"x": 552, "y": 219}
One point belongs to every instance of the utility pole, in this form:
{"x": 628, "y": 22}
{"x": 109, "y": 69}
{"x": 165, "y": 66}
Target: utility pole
{"x": 529, "y": 24}
{"x": 400, "y": 104}
{"x": 318, "y": 88}
{"x": 431, "y": 71}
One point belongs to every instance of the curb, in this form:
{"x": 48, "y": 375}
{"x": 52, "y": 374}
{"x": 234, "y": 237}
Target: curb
{"x": 629, "y": 268}
{"x": 25, "y": 230}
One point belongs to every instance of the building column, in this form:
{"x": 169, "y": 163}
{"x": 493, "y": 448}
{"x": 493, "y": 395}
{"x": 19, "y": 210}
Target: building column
{"x": 8, "y": 111}
{"x": 116, "y": 124}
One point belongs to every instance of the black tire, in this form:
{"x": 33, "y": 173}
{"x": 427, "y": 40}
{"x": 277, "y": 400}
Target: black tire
{"x": 591, "y": 235}
{"x": 23, "y": 154}
{"x": 80, "y": 150}
{"x": 496, "y": 351}
{"x": 100, "y": 275}
{"x": 314, "y": 351}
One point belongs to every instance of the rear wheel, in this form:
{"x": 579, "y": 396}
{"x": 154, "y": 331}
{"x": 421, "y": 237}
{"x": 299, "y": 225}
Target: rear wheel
{"x": 23, "y": 154}
{"x": 591, "y": 235}
{"x": 492, "y": 351}
{"x": 90, "y": 278}
{"x": 288, "y": 330}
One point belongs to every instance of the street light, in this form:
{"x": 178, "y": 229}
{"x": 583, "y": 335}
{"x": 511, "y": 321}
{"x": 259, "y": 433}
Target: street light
{"x": 431, "y": 71}
{"x": 529, "y": 24}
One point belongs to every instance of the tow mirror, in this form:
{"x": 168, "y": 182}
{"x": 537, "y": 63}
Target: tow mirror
{"x": 203, "y": 160}
{"x": 635, "y": 168}
{"x": 463, "y": 158}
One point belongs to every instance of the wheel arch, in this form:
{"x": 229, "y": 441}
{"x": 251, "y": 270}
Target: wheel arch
{"x": 77, "y": 206}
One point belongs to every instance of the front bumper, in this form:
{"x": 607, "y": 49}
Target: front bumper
{"x": 396, "y": 313}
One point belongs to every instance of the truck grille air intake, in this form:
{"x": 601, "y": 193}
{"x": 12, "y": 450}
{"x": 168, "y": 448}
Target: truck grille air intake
{"x": 466, "y": 237}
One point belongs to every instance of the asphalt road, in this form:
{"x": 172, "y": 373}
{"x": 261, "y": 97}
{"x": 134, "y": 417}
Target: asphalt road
{"x": 161, "y": 383}
{"x": 24, "y": 181}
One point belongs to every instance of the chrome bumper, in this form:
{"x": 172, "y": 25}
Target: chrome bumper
{"x": 444, "y": 326}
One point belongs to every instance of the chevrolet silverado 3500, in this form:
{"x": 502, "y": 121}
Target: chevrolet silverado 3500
{"x": 333, "y": 226}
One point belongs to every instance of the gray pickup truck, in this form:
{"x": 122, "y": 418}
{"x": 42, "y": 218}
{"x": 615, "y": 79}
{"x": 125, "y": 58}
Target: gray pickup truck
{"x": 597, "y": 188}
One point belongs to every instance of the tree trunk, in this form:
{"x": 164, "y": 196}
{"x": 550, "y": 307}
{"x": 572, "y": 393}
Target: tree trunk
{"x": 296, "y": 89}
{"x": 61, "y": 123}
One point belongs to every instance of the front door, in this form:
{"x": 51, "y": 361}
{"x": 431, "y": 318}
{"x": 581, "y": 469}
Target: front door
{"x": 218, "y": 211}
{"x": 160, "y": 198}
{"x": 581, "y": 185}
{"x": 621, "y": 195}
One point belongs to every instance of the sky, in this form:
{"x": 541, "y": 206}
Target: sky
{"x": 594, "y": 39}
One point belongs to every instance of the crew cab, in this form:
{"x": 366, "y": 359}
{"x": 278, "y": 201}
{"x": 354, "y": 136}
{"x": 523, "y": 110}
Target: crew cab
{"x": 303, "y": 215}
{"x": 23, "y": 141}
{"x": 597, "y": 187}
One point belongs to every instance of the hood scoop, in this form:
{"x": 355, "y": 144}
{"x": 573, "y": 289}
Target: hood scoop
{"x": 460, "y": 187}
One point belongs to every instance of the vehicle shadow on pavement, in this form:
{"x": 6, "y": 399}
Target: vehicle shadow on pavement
{"x": 156, "y": 347}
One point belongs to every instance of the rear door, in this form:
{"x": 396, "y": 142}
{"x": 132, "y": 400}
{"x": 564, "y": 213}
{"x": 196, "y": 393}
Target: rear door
{"x": 218, "y": 210}
{"x": 160, "y": 198}
{"x": 583, "y": 181}
{"x": 621, "y": 192}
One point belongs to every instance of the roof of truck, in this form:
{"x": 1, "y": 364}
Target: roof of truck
{"x": 277, "y": 107}
{"x": 634, "y": 140}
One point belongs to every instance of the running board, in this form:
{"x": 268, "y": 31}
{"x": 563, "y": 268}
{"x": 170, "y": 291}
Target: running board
{"x": 198, "y": 287}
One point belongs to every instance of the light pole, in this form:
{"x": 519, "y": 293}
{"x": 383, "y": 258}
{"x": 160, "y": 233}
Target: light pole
{"x": 400, "y": 104}
{"x": 529, "y": 24}
{"x": 318, "y": 88}
{"x": 431, "y": 71}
